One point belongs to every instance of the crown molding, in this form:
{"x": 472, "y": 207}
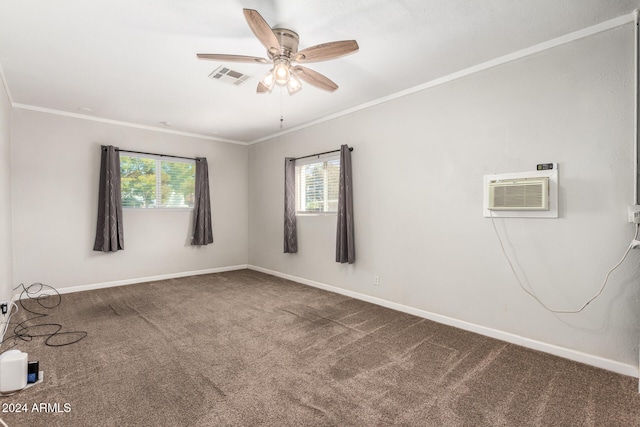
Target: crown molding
{"x": 558, "y": 41}
{"x": 121, "y": 123}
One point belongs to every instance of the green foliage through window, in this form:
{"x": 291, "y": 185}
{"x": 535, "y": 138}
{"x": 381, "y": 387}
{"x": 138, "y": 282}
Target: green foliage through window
{"x": 154, "y": 183}
{"x": 317, "y": 186}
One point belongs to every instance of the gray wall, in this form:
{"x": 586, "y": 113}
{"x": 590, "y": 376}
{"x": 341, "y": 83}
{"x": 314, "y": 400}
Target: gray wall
{"x": 56, "y": 161}
{"x": 418, "y": 167}
{"x": 6, "y": 255}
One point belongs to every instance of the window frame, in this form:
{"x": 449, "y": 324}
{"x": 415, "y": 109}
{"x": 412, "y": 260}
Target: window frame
{"x": 316, "y": 160}
{"x": 158, "y": 181}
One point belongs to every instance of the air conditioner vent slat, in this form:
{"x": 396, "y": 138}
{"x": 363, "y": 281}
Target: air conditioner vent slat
{"x": 519, "y": 194}
{"x": 228, "y": 75}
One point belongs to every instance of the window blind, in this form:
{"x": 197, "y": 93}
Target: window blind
{"x": 151, "y": 182}
{"x": 317, "y": 182}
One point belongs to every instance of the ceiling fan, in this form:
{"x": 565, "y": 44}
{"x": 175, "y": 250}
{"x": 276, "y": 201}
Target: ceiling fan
{"x": 282, "y": 50}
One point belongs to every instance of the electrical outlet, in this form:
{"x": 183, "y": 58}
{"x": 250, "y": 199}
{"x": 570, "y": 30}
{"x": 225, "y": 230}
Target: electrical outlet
{"x": 376, "y": 280}
{"x": 4, "y": 306}
{"x": 634, "y": 214}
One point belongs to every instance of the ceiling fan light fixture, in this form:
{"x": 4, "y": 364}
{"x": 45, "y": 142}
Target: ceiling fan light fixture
{"x": 293, "y": 85}
{"x": 269, "y": 80}
{"x": 281, "y": 72}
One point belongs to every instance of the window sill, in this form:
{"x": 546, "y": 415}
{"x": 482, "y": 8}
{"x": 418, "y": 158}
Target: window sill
{"x": 129, "y": 208}
{"x": 317, "y": 214}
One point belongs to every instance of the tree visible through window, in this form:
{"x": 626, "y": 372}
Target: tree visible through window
{"x": 317, "y": 185}
{"x": 148, "y": 182}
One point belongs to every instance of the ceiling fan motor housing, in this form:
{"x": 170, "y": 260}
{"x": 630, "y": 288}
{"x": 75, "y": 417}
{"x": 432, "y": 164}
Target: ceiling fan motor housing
{"x": 288, "y": 43}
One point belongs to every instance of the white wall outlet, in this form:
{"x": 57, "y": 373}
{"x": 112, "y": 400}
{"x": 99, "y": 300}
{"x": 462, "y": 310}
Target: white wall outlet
{"x": 376, "y": 280}
{"x": 634, "y": 214}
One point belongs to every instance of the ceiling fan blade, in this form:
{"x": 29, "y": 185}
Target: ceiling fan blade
{"x": 233, "y": 58}
{"x": 315, "y": 78}
{"x": 262, "y": 30}
{"x": 325, "y": 51}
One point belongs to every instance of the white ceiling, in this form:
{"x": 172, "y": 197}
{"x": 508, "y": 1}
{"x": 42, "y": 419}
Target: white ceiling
{"x": 134, "y": 61}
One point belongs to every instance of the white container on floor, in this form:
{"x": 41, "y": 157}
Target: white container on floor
{"x": 13, "y": 371}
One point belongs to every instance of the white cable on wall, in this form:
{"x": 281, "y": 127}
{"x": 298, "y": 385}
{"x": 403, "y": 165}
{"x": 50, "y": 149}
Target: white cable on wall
{"x": 636, "y": 186}
{"x": 636, "y": 151}
{"x": 633, "y": 244}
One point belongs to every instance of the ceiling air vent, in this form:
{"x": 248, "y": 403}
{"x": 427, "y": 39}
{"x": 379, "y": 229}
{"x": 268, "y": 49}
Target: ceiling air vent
{"x": 526, "y": 194}
{"x": 225, "y": 74}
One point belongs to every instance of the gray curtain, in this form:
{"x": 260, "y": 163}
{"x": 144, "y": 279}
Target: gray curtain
{"x": 109, "y": 229}
{"x": 345, "y": 243}
{"x": 202, "y": 231}
{"x": 290, "y": 228}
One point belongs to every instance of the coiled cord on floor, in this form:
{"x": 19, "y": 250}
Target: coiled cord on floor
{"x": 48, "y": 298}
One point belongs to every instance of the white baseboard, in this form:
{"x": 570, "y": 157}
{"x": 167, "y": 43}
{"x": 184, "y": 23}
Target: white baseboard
{"x": 600, "y": 362}
{"x": 5, "y": 317}
{"x": 577, "y": 356}
{"x": 145, "y": 279}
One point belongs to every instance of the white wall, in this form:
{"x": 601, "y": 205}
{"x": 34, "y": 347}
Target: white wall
{"x": 418, "y": 165}
{"x": 56, "y": 163}
{"x": 6, "y": 255}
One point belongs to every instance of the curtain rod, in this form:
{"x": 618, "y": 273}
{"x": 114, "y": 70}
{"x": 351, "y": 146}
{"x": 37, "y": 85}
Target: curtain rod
{"x": 156, "y": 154}
{"x": 318, "y": 154}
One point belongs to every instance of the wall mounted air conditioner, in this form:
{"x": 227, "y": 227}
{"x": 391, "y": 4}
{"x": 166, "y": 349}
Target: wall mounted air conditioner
{"x": 531, "y": 194}
{"x": 526, "y": 194}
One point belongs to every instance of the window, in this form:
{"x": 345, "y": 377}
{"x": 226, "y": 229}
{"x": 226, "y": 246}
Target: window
{"x": 317, "y": 182}
{"x": 150, "y": 182}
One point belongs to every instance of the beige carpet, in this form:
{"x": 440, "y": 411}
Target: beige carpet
{"x": 245, "y": 349}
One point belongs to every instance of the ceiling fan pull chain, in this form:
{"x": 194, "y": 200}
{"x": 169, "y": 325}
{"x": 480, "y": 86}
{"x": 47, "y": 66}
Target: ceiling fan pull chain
{"x": 281, "y": 102}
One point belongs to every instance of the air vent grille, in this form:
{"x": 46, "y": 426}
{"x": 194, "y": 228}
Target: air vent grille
{"x": 227, "y": 75}
{"x": 527, "y": 194}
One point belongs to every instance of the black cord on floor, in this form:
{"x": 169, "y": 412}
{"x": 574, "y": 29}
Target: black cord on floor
{"x": 27, "y": 331}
